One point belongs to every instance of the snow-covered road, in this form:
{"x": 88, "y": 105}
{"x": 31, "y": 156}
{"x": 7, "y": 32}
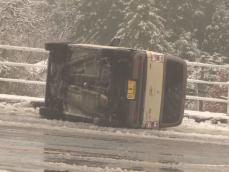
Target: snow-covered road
{"x": 29, "y": 143}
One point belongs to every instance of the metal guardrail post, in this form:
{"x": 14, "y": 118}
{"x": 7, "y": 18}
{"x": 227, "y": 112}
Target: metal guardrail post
{"x": 228, "y": 98}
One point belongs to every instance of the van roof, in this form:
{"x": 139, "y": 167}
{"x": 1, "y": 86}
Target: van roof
{"x": 110, "y": 47}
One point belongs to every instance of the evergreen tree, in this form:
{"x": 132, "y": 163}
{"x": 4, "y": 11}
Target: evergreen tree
{"x": 217, "y": 32}
{"x": 142, "y": 27}
{"x": 97, "y": 20}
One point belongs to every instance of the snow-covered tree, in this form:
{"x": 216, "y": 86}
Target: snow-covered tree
{"x": 217, "y": 32}
{"x": 142, "y": 27}
{"x": 23, "y": 23}
{"x": 97, "y": 21}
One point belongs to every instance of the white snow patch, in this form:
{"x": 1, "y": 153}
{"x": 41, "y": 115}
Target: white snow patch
{"x": 206, "y": 115}
{"x": 90, "y": 169}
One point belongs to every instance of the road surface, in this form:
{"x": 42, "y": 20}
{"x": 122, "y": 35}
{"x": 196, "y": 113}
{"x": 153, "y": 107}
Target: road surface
{"x": 29, "y": 143}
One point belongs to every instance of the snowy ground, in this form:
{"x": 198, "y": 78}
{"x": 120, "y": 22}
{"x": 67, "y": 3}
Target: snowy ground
{"x": 29, "y": 143}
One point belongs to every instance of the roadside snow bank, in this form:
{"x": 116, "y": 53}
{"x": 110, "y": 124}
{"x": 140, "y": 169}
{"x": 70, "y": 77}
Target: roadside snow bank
{"x": 207, "y": 116}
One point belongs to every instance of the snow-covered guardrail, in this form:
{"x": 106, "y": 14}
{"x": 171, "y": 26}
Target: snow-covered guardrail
{"x": 27, "y": 65}
{"x": 196, "y": 64}
{"x": 38, "y": 50}
{"x": 207, "y": 65}
{"x": 22, "y": 81}
{"x": 21, "y": 64}
{"x": 28, "y": 49}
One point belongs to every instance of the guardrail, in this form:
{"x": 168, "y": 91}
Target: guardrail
{"x": 16, "y": 64}
{"x": 38, "y": 50}
{"x": 217, "y": 100}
